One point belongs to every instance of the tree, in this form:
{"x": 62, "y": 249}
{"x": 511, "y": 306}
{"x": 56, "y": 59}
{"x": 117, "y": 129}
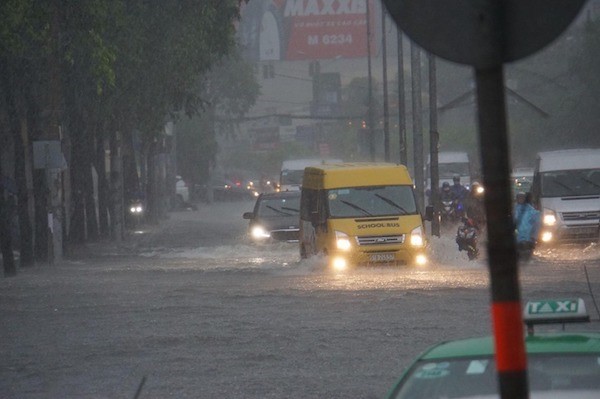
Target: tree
{"x": 97, "y": 70}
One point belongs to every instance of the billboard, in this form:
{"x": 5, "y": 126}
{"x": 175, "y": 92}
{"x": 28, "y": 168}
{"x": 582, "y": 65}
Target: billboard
{"x": 308, "y": 29}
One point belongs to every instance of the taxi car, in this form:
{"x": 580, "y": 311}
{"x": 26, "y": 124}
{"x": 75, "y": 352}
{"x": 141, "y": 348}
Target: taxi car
{"x": 276, "y": 217}
{"x": 560, "y": 364}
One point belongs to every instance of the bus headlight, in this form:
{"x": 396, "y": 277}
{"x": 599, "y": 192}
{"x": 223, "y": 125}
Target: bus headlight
{"x": 339, "y": 263}
{"x": 342, "y": 241}
{"x": 416, "y": 237}
{"x": 549, "y": 217}
{"x": 259, "y": 232}
{"x": 421, "y": 260}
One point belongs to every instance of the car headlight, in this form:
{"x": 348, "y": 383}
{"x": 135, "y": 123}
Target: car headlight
{"x": 549, "y": 217}
{"x": 416, "y": 237}
{"x": 480, "y": 190}
{"x": 342, "y": 241}
{"x": 260, "y": 232}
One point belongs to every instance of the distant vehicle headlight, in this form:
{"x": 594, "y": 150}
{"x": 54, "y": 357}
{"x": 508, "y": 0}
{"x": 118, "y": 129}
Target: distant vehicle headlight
{"x": 416, "y": 237}
{"x": 549, "y": 217}
{"x": 342, "y": 241}
{"x": 480, "y": 190}
{"x": 136, "y": 209}
{"x": 260, "y": 232}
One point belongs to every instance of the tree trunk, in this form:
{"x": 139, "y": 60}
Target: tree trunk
{"x": 6, "y": 211}
{"x": 41, "y": 215}
{"x": 91, "y": 217}
{"x": 103, "y": 205}
{"x": 16, "y": 117}
{"x": 116, "y": 187}
{"x": 23, "y": 167}
{"x": 77, "y": 231}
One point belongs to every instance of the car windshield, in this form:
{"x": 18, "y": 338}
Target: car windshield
{"x": 550, "y": 376}
{"x": 565, "y": 183}
{"x": 273, "y": 207}
{"x": 371, "y": 201}
{"x": 291, "y": 176}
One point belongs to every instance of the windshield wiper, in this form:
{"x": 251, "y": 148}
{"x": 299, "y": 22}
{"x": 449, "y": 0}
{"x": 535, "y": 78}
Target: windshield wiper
{"x": 290, "y": 209}
{"x": 358, "y": 208}
{"x": 278, "y": 211}
{"x": 564, "y": 185}
{"x": 392, "y": 203}
{"x": 591, "y": 182}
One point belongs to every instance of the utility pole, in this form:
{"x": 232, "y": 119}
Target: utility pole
{"x": 434, "y": 139}
{"x": 370, "y": 89}
{"x": 401, "y": 100}
{"x": 415, "y": 66}
{"x": 386, "y": 111}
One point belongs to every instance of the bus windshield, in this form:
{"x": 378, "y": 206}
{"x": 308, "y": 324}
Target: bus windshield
{"x": 569, "y": 183}
{"x": 355, "y": 202}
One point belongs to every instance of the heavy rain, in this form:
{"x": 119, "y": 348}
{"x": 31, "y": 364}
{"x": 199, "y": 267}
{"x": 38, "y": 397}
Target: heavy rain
{"x": 137, "y": 137}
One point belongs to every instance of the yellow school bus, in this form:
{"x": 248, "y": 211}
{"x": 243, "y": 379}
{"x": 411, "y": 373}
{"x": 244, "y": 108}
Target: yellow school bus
{"x": 361, "y": 213}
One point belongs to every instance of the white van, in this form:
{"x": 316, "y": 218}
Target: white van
{"x": 290, "y": 178}
{"x": 566, "y": 189}
{"x": 450, "y": 163}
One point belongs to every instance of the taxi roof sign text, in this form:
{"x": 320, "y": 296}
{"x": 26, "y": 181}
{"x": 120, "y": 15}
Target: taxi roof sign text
{"x": 555, "y": 311}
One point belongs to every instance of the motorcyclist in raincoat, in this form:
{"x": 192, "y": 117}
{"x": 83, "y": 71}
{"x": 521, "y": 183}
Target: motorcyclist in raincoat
{"x": 459, "y": 191}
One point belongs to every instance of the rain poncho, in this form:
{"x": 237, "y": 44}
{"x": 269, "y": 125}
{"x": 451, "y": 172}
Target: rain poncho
{"x": 527, "y": 222}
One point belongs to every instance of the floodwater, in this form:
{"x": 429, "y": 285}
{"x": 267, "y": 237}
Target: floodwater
{"x": 195, "y": 310}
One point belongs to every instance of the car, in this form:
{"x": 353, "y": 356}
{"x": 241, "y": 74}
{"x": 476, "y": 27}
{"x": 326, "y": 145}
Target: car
{"x": 560, "y": 364}
{"x": 276, "y": 217}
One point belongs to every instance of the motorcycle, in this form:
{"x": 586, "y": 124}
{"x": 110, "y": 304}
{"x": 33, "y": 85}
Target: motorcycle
{"x": 466, "y": 238}
{"x": 451, "y": 211}
{"x": 136, "y": 212}
{"x": 447, "y": 213}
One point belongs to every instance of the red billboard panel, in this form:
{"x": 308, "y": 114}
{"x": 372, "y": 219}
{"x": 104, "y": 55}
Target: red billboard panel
{"x": 308, "y": 29}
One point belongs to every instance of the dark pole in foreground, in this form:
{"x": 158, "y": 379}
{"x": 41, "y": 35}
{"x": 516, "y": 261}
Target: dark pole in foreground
{"x": 511, "y": 361}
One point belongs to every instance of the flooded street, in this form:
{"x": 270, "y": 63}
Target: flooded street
{"x": 200, "y": 312}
